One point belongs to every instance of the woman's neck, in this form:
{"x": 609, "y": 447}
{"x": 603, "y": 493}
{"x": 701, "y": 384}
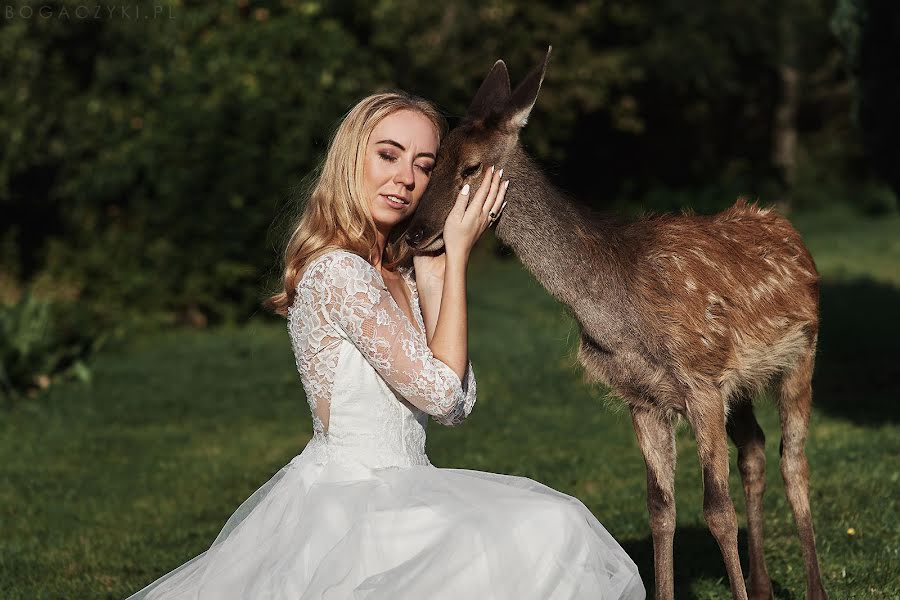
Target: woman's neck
{"x": 381, "y": 237}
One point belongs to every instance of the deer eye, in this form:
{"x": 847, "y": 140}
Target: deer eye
{"x": 471, "y": 170}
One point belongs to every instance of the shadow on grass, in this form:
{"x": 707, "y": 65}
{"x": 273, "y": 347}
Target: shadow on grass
{"x": 858, "y": 352}
{"x": 696, "y": 556}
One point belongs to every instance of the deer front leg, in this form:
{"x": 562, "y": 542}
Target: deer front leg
{"x": 706, "y": 413}
{"x": 656, "y": 437}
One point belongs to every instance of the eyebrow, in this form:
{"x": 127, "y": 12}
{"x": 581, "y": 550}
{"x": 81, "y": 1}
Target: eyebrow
{"x": 399, "y": 145}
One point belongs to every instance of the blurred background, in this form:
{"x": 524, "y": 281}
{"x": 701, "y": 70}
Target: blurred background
{"x": 151, "y": 149}
{"x": 153, "y": 156}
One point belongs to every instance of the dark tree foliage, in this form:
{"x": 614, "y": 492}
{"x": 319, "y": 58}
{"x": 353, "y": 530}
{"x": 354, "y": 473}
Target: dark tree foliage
{"x": 149, "y": 163}
{"x": 147, "y": 159}
{"x": 870, "y": 33}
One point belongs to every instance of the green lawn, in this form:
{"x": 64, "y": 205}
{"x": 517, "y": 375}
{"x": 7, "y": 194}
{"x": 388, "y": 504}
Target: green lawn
{"x": 104, "y": 488}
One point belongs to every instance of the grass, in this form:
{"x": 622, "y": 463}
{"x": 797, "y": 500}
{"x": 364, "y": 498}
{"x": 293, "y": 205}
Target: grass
{"x": 104, "y": 488}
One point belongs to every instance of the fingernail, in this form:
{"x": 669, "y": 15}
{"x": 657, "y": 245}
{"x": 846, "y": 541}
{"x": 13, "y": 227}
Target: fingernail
{"x": 502, "y": 206}
{"x": 505, "y": 185}
{"x": 500, "y": 174}
{"x": 465, "y": 190}
{"x": 492, "y": 168}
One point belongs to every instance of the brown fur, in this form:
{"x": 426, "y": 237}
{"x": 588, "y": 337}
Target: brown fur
{"x": 681, "y": 315}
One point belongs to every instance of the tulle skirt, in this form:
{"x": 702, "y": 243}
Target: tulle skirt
{"x": 329, "y": 530}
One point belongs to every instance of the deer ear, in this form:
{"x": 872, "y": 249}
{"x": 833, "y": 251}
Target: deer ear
{"x": 493, "y": 93}
{"x": 522, "y": 100}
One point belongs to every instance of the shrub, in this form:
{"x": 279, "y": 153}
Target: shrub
{"x": 41, "y": 340}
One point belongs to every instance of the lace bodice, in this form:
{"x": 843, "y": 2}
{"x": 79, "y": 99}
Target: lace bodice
{"x": 370, "y": 379}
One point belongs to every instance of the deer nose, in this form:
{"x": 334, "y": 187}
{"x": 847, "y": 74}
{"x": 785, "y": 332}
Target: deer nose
{"x": 415, "y": 236}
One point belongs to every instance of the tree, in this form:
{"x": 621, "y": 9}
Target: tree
{"x": 870, "y": 33}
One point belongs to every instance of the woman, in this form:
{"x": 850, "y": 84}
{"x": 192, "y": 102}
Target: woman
{"x": 361, "y": 512}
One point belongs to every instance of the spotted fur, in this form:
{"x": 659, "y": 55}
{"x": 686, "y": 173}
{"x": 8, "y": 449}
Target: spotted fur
{"x": 681, "y": 316}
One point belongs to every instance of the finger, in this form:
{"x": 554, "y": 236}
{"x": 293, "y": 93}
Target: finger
{"x": 477, "y": 211}
{"x": 494, "y": 210}
{"x": 478, "y": 199}
{"x": 499, "y": 212}
{"x": 462, "y": 199}
{"x": 492, "y": 193}
{"x": 485, "y": 217}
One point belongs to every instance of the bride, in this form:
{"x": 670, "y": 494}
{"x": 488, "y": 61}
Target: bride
{"x": 380, "y": 341}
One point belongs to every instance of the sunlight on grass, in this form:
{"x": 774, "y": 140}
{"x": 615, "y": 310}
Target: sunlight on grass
{"x": 106, "y": 487}
{"x": 846, "y": 246}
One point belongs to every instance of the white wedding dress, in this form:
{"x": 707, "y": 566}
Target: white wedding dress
{"x": 361, "y": 512}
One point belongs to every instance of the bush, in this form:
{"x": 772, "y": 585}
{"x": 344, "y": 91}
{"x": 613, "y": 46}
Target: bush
{"x": 40, "y": 340}
{"x": 144, "y": 160}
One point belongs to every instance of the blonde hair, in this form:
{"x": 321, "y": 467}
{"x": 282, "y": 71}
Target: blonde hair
{"x": 336, "y": 213}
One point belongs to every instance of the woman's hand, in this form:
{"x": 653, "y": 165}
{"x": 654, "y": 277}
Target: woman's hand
{"x": 449, "y": 339}
{"x": 469, "y": 218}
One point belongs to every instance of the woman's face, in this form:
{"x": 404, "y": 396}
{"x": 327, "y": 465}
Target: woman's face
{"x": 400, "y": 156}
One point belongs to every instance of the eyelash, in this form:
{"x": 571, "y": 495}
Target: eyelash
{"x": 391, "y": 158}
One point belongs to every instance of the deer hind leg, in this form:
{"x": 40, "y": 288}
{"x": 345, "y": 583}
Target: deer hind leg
{"x": 748, "y": 436}
{"x": 656, "y": 437}
{"x": 795, "y": 404}
{"x": 706, "y": 413}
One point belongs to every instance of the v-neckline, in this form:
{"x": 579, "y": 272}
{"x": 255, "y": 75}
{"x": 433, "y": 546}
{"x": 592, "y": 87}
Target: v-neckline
{"x": 416, "y": 321}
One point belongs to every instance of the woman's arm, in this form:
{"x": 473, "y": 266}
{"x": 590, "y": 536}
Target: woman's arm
{"x": 449, "y": 343}
{"x": 429, "y": 271}
{"x": 348, "y": 290}
{"x": 466, "y": 222}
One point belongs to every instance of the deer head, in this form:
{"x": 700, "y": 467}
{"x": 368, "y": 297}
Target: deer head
{"x": 489, "y": 135}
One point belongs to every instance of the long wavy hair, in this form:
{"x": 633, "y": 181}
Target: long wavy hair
{"x": 336, "y": 213}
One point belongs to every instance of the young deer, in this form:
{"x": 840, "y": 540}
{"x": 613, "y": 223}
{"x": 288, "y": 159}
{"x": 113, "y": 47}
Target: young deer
{"x": 681, "y": 315}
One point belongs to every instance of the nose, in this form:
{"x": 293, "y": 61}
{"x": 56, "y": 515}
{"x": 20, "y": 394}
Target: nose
{"x": 414, "y": 236}
{"x": 405, "y": 176}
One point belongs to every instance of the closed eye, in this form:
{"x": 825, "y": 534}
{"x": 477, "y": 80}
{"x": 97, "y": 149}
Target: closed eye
{"x": 470, "y": 170}
{"x": 427, "y": 169}
{"x": 387, "y": 156}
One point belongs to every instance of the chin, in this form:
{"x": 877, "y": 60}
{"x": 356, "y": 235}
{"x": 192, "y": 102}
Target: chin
{"x": 389, "y": 220}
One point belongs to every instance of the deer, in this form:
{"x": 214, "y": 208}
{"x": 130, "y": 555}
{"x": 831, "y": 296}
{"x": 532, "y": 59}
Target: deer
{"x": 682, "y": 316}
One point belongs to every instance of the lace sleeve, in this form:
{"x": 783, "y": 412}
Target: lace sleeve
{"x": 353, "y": 296}
{"x": 462, "y": 409}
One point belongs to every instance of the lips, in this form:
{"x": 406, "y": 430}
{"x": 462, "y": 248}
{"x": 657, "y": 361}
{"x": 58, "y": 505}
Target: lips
{"x": 395, "y": 202}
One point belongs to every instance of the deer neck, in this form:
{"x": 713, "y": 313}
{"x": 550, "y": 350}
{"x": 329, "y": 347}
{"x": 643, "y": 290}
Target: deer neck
{"x": 554, "y": 238}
